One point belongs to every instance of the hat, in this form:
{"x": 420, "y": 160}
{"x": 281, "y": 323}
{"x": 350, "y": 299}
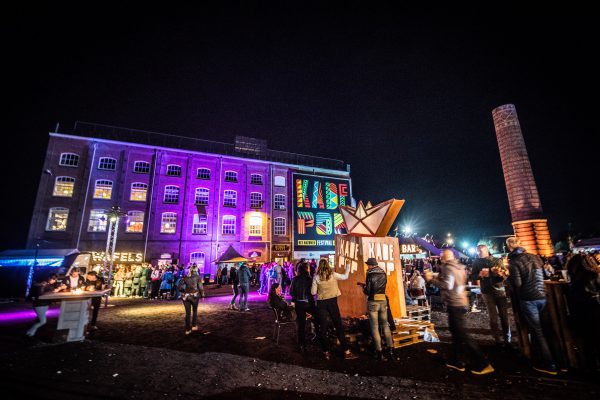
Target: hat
{"x": 372, "y": 261}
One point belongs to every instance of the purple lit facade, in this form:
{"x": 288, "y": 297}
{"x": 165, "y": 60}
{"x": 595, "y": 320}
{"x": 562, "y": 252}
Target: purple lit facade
{"x": 248, "y": 201}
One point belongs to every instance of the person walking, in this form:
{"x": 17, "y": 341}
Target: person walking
{"x": 93, "y": 282}
{"x": 452, "y": 280}
{"x": 304, "y": 302}
{"x": 244, "y": 275}
{"x": 526, "y": 280}
{"x": 325, "y": 286}
{"x": 491, "y": 274}
{"x": 377, "y": 307}
{"x": 192, "y": 289}
{"x": 235, "y": 282}
{"x": 50, "y": 285}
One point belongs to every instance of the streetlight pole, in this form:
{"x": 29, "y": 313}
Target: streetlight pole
{"x": 113, "y": 215}
{"x": 30, "y": 274}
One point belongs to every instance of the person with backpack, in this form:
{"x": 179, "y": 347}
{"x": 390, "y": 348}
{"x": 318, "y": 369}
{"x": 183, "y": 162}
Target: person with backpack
{"x": 192, "y": 290}
{"x": 526, "y": 280}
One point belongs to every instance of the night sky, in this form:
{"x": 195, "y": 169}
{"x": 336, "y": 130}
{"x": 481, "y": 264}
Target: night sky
{"x": 405, "y": 99}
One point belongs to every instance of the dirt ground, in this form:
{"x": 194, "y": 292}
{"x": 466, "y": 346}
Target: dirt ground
{"x": 233, "y": 356}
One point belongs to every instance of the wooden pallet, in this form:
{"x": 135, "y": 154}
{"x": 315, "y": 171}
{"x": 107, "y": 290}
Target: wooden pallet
{"x": 419, "y": 313}
{"x": 410, "y": 332}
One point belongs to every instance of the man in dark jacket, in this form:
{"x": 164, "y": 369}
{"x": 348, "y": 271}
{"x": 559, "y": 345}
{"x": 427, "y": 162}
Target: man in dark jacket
{"x": 451, "y": 281}
{"x": 527, "y": 282}
{"x": 94, "y": 282}
{"x": 235, "y": 282}
{"x": 304, "y": 301}
{"x": 489, "y": 271}
{"x": 377, "y": 307}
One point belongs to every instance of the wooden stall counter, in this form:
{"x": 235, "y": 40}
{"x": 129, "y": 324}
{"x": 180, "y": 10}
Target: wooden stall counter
{"x": 74, "y": 312}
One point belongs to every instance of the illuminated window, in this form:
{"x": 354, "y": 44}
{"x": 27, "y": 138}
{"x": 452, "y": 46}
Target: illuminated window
{"x": 279, "y": 181}
{"x": 200, "y": 225}
{"x": 103, "y": 189}
{"x": 256, "y": 179}
{"x": 69, "y": 160}
{"x": 173, "y": 170}
{"x": 230, "y": 176}
{"x": 63, "y": 186}
{"x": 168, "y": 223}
{"x": 57, "y": 219}
{"x": 135, "y": 222}
{"x": 279, "y": 227}
{"x": 202, "y": 195}
{"x": 256, "y": 200}
{"x": 171, "y": 194}
{"x": 203, "y": 173}
{"x": 141, "y": 167}
{"x": 228, "y": 225}
{"x": 279, "y": 202}
{"x": 230, "y": 198}
{"x": 138, "y": 191}
{"x": 98, "y": 221}
{"x": 256, "y": 225}
{"x": 198, "y": 258}
{"x": 107, "y": 163}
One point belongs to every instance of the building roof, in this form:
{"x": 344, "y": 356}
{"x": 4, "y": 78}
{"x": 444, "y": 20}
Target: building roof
{"x": 42, "y": 253}
{"x": 243, "y": 148}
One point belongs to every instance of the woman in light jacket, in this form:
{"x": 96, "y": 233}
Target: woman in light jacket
{"x": 326, "y": 288}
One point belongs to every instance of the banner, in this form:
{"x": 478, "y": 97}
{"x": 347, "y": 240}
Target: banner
{"x": 316, "y": 214}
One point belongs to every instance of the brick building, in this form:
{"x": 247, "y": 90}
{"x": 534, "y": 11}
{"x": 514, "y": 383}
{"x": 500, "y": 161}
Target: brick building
{"x": 186, "y": 199}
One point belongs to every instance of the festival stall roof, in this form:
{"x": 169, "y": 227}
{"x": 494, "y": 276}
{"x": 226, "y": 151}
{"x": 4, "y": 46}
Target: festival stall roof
{"x": 231, "y": 256}
{"x": 26, "y": 257}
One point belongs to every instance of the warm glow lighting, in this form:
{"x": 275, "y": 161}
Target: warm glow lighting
{"x": 450, "y": 241}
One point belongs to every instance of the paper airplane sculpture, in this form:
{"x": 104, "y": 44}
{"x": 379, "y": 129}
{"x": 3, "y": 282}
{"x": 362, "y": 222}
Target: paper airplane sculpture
{"x": 371, "y": 220}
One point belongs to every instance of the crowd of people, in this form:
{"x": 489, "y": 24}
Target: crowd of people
{"x": 314, "y": 291}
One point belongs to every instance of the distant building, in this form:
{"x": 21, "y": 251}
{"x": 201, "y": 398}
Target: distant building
{"x": 186, "y": 199}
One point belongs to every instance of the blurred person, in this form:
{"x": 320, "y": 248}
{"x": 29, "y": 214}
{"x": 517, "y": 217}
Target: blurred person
{"x": 93, "y": 282}
{"x": 275, "y": 300}
{"x": 304, "y": 302}
{"x": 72, "y": 282}
{"x": 47, "y": 286}
{"x": 244, "y": 275}
{"x": 416, "y": 289}
{"x": 119, "y": 282}
{"x": 451, "y": 281}
{"x": 235, "y": 282}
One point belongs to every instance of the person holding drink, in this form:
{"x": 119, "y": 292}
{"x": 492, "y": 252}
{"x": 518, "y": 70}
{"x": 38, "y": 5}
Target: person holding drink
{"x": 491, "y": 274}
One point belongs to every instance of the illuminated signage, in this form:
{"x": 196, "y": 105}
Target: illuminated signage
{"x": 409, "y": 248}
{"x": 317, "y": 217}
{"x": 281, "y": 247}
{"x": 123, "y": 257}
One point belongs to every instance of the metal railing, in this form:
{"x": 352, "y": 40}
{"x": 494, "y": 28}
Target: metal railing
{"x": 159, "y": 139}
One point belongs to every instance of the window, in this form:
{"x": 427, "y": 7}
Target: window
{"x": 103, "y": 189}
{"x": 200, "y": 225}
{"x": 279, "y": 227}
{"x": 107, "y": 163}
{"x": 198, "y": 258}
{"x": 168, "y": 223}
{"x": 98, "y": 221}
{"x": 228, "y": 225}
{"x": 141, "y": 167}
{"x": 256, "y": 200}
{"x": 173, "y": 170}
{"x": 203, "y": 173}
{"x": 63, "y": 186}
{"x": 279, "y": 181}
{"x": 202, "y": 195}
{"x": 138, "y": 191}
{"x": 69, "y": 160}
{"x": 171, "y": 194}
{"x": 279, "y": 202}
{"x": 57, "y": 219}
{"x": 230, "y": 176}
{"x": 256, "y": 225}
{"x": 135, "y": 222}
{"x": 256, "y": 179}
{"x": 230, "y": 198}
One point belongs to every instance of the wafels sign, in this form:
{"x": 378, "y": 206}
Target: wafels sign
{"x": 317, "y": 216}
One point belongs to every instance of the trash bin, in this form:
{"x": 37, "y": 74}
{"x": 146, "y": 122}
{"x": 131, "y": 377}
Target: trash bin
{"x": 206, "y": 279}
